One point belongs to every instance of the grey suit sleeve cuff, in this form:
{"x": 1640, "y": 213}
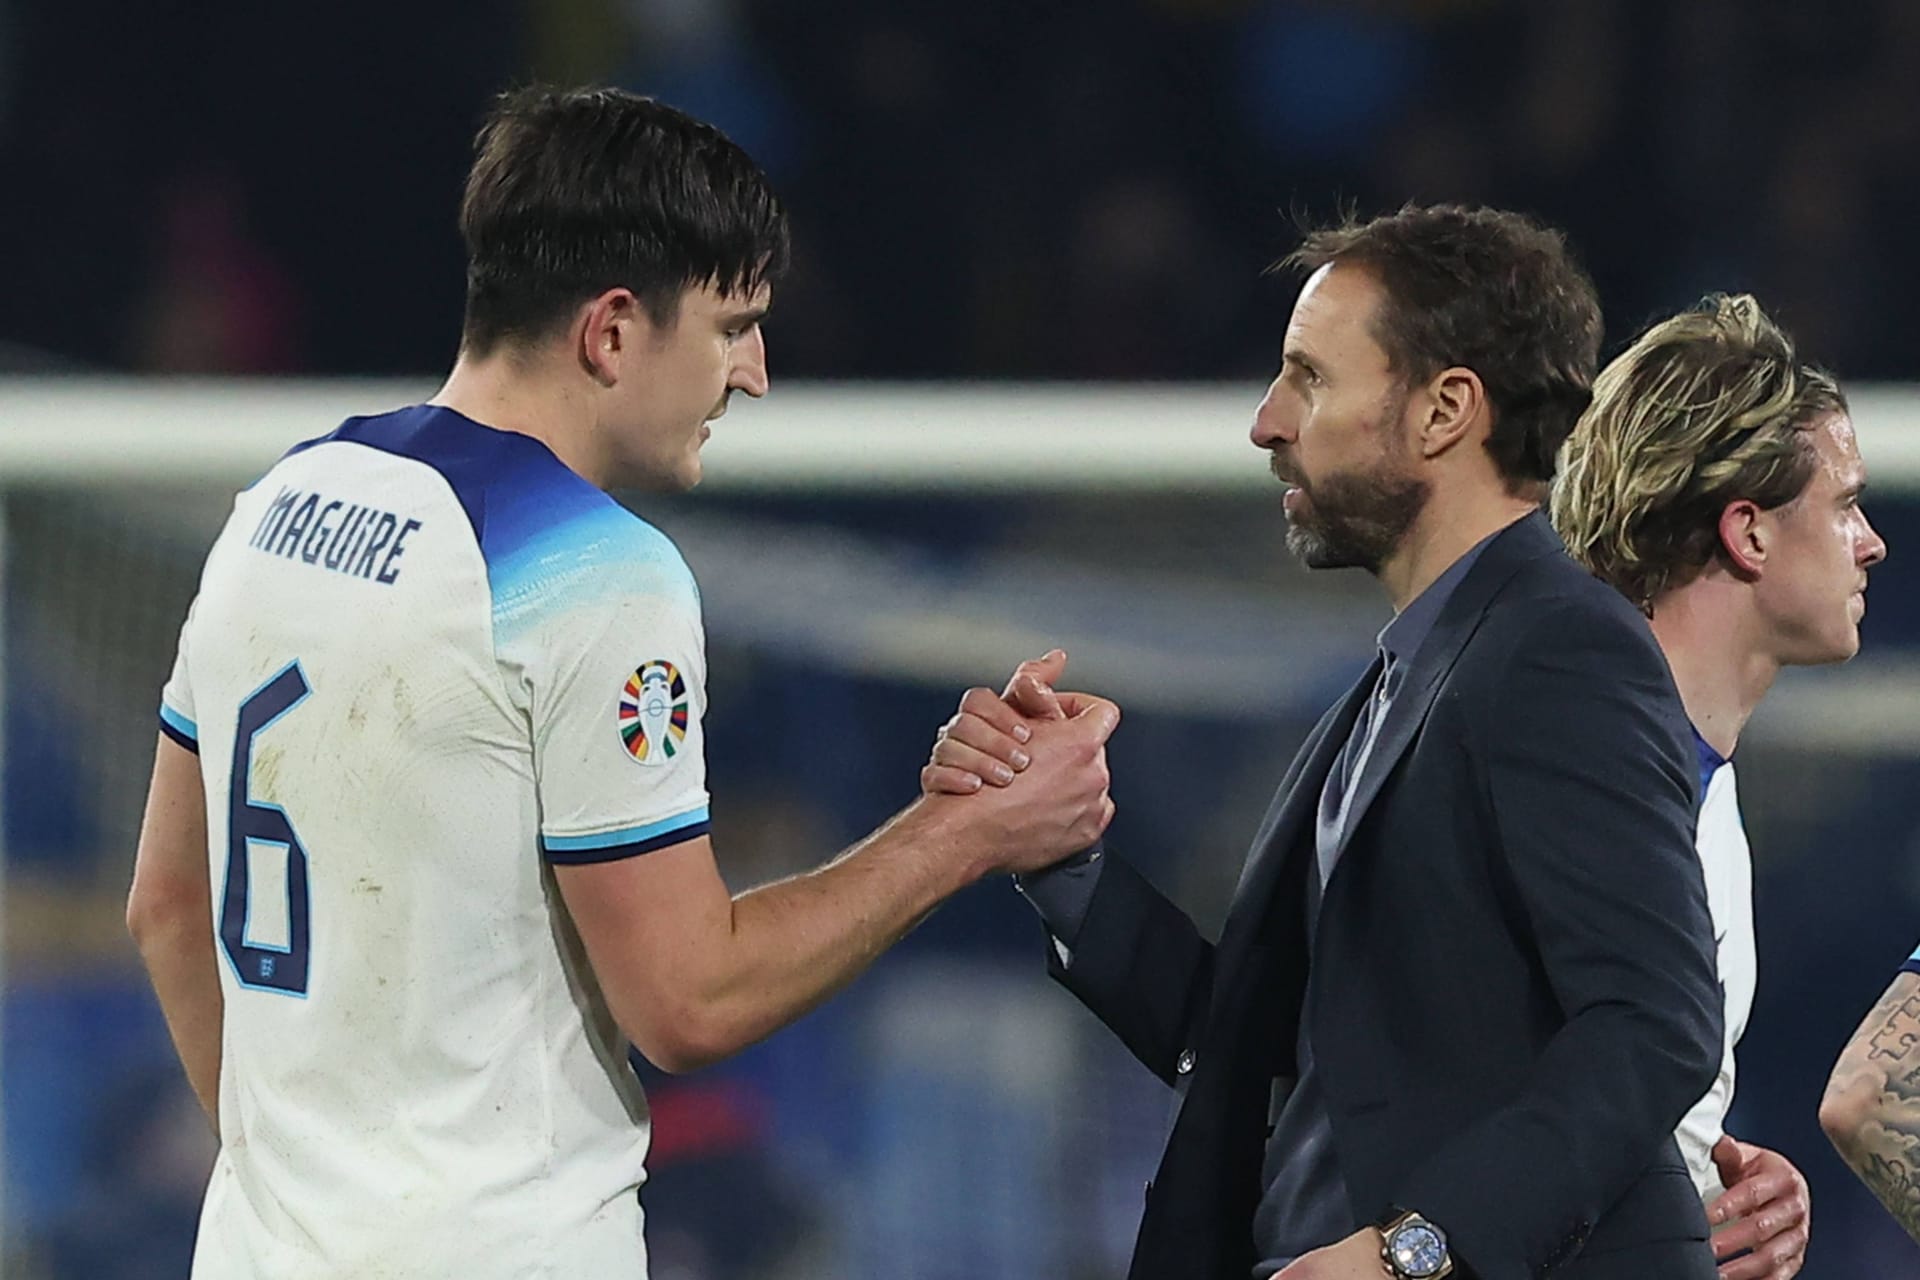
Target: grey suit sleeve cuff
{"x": 1063, "y": 892}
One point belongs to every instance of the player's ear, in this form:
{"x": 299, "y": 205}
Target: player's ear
{"x": 606, "y": 336}
{"x": 1745, "y": 537}
{"x": 1448, "y": 406}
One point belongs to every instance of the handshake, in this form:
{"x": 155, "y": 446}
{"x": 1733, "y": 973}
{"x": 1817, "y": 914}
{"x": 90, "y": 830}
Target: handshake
{"x": 1024, "y": 772}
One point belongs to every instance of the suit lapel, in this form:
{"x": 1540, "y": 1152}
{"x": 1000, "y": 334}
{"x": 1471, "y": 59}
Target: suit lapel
{"x": 1427, "y": 671}
{"x": 1292, "y": 813}
{"x": 1526, "y": 539}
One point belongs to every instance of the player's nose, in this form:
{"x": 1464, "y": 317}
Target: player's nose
{"x": 1874, "y": 548}
{"x": 749, "y": 372}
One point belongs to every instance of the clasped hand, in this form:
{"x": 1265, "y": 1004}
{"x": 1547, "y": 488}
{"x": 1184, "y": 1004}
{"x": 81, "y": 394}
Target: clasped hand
{"x": 1036, "y": 757}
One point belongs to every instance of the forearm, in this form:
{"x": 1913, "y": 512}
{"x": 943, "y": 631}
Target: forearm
{"x": 179, "y": 958}
{"x": 799, "y": 940}
{"x": 1871, "y": 1111}
{"x": 1884, "y": 1152}
{"x": 781, "y": 949}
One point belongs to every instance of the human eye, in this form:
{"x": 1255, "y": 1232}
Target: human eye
{"x": 740, "y": 326}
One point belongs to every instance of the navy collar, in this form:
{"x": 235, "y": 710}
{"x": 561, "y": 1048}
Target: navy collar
{"x": 1401, "y": 638}
{"x": 1710, "y": 762}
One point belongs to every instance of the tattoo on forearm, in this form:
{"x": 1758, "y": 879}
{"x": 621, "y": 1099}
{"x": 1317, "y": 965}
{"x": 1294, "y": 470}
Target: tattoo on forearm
{"x": 1883, "y": 1061}
{"x": 1898, "y": 1034}
{"x": 1891, "y": 1177}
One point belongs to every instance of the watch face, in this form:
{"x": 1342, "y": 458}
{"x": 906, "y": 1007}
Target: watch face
{"x": 1418, "y": 1250}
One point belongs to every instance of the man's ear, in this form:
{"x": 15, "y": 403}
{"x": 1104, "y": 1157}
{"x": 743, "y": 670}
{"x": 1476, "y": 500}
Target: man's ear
{"x": 605, "y": 335}
{"x": 1453, "y": 405}
{"x": 1746, "y": 537}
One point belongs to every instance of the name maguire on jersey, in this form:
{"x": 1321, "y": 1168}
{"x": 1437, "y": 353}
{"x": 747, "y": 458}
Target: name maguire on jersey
{"x": 312, "y": 527}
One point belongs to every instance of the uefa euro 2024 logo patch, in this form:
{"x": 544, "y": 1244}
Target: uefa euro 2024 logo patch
{"x": 653, "y": 712}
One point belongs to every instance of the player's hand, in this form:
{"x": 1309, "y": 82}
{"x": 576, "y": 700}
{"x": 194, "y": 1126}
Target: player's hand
{"x": 1765, "y": 1215}
{"x": 1056, "y": 806}
{"x": 1355, "y": 1258}
{"x": 985, "y": 742}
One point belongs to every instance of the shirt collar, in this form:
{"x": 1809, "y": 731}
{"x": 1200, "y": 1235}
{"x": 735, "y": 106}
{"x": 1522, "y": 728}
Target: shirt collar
{"x": 1401, "y": 638}
{"x": 1709, "y": 759}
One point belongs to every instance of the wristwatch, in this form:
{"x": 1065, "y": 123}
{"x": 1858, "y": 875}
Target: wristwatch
{"x": 1414, "y": 1249}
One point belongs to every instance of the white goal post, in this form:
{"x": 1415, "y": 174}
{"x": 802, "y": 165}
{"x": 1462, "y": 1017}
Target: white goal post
{"x": 822, "y": 437}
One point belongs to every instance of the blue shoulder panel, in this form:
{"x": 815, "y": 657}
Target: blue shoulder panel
{"x": 542, "y": 529}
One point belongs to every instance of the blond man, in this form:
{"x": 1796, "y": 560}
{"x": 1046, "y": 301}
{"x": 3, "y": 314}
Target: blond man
{"x": 1716, "y": 481}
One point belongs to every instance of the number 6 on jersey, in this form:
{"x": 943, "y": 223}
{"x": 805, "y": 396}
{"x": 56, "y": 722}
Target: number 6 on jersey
{"x": 277, "y": 962}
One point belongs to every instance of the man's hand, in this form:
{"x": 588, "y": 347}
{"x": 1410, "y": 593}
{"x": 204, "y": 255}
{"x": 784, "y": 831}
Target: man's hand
{"x": 986, "y": 741}
{"x": 1355, "y": 1258}
{"x": 1048, "y": 795}
{"x": 1056, "y": 807}
{"x": 1766, "y": 1209}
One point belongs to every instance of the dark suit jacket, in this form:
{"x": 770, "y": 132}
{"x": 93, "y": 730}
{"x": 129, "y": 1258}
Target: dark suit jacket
{"x": 1514, "y": 990}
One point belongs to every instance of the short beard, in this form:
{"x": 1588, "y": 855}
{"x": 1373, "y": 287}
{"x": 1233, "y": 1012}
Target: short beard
{"x": 1358, "y": 520}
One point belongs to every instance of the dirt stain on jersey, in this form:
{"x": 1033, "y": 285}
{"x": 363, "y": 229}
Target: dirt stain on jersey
{"x": 266, "y": 769}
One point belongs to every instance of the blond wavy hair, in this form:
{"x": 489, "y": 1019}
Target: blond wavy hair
{"x": 1709, "y": 407}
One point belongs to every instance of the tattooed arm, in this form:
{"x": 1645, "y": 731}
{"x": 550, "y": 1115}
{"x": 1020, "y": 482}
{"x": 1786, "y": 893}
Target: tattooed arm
{"x": 1872, "y": 1107}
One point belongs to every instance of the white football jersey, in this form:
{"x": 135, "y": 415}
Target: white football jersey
{"x": 1721, "y": 841}
{"x": 427, "y": 659}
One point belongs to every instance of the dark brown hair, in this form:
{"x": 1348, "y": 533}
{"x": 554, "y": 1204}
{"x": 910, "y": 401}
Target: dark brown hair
{"x": 574, "y": 192}
{"x": 1486, "y": 290}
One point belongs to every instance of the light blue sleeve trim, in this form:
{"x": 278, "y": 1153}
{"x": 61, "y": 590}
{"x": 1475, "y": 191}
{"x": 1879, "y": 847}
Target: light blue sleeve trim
{"x": 626, "y": 835}
{"x": 179, "y": 722}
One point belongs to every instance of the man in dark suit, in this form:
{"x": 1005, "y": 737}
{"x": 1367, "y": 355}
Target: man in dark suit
{"x": 1466, "y": 986}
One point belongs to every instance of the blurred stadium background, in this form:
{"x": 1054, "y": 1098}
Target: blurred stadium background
{"x": 225, "y": 226}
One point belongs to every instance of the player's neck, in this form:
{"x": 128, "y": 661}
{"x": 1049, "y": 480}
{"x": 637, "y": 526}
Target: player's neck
{"x": 515, "y": 393}
{"x": 1713, "y": 645}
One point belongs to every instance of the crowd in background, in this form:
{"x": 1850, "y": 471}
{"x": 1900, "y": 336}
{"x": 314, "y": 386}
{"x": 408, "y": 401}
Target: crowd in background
{"x": 992, "y": 189}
